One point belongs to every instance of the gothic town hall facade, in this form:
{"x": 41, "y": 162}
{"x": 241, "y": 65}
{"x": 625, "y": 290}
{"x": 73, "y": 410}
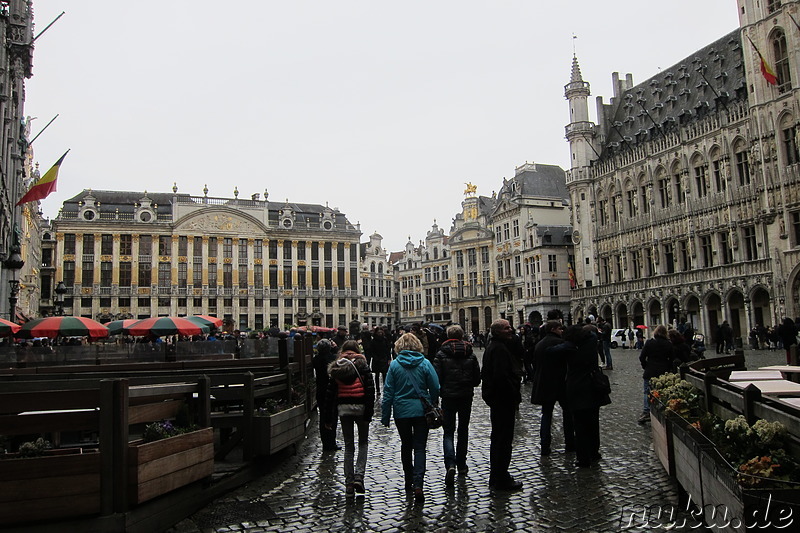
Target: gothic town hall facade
{"x": 685, "y": 194}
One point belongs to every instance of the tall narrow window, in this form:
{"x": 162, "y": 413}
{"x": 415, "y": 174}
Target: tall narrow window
{"x": 749, "y": 242}
{"x": 788, "y": 134}
{"x": 164, "y": 245}
{"x": 716, "y": 173}
{"x": 125, "y": 245}
{"x": 106, "y": 244}
{"x": 700, "y": 179}
{"x": 631, "y": 197}
{"x": 742, "y": 164}
{"x": 781, "y": 61}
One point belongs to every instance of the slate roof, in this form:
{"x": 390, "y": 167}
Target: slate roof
{"x": 540, "y": 180}
{"x": 559, "y": 234}
{"x": 124, "y": 202}
{"x": 704, "y": 83}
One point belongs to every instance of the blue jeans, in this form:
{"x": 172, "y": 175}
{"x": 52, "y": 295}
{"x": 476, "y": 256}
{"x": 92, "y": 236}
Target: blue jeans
{"x": 413, "y": 438}
{"x": 646, "y": 390}
{"x": 546, "y": 425}
{"x": 607, "y": 352}
{"x": 463, "y": 408}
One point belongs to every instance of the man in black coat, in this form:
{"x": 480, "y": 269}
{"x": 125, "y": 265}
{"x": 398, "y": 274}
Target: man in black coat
{"x": 501, "y": 382}
{"x": 459, "y": 373}
{"x": 549, "y": 386}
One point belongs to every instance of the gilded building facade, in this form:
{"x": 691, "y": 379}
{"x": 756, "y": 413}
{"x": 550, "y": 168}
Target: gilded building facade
{"x": 256, "y": 263}
{"x": 685, "y": 197}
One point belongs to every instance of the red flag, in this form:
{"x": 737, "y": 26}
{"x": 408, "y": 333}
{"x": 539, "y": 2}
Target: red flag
{"x": 44, "y": 185}
{"x": 572, "y": 281}
{"x": 766, "y": 70}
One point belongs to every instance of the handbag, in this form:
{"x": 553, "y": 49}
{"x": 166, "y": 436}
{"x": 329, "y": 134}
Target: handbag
{"x": 433, "y": 413}
{"x": 601, "y": 387}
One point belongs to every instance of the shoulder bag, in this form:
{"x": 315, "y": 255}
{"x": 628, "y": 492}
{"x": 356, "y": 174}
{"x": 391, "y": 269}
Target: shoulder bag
{"x": 601, "y": 387}
{"x": 433, "y": 413}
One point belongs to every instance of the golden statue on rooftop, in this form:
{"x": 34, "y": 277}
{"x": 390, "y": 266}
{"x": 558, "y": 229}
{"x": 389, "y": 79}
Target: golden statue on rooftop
{"x": 471, "y": 189}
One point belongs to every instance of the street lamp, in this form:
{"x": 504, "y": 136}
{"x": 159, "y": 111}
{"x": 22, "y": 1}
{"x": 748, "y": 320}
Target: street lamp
{"x": 13, "y": 291}
{"x": 60, "y": 291}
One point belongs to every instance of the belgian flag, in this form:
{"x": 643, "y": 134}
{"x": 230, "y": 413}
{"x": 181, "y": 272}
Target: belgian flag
{"x": 44, "y": 185}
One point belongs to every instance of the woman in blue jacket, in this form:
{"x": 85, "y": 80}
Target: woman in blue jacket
{"x": 399, "y": 393}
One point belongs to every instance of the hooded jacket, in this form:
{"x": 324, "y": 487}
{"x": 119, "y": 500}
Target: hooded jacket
{"x": 457, "y": 368}
{"x": 345, "y": 387}
{"x": 399, "y": 393}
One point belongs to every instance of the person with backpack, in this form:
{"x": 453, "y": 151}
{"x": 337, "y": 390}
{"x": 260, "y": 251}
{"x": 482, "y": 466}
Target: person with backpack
{"x": 351, "y": 396}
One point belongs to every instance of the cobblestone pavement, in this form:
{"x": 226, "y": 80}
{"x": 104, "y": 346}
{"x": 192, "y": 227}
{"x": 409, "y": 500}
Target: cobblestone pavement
{"x": 306, "y": 492}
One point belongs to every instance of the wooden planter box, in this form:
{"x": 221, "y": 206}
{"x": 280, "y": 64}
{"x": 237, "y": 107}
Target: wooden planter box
{"x": 661, "y": 426}
{"x": 748, "y": 509}
{"x": 276, "y": 432}
{"x": 61, "y": 484}
{"x": 687, "y": 443}
{"x": 158, "y": 467}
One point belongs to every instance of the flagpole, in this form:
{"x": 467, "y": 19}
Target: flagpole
{"x": 48, "y": 27}
{"x": 48, "y": 124}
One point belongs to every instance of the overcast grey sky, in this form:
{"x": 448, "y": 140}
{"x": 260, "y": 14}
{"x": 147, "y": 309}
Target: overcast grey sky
{"x": 383, "y": 109}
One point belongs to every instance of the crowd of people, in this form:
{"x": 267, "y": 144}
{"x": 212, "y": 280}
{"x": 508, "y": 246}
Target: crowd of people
{"x": 560, "y": 362}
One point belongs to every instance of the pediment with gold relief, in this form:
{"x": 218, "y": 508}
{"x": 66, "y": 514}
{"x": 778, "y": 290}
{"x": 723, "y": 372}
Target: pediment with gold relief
{"x": 220, "y": 221}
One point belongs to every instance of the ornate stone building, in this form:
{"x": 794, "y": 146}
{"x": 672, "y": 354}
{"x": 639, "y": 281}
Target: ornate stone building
{"x": 422, "y": 274}
{"x": 377, "y": 284}
{"x": 685, "y": 192}
{"x": 16, "y": 63}
{"x": 254, "y": 262}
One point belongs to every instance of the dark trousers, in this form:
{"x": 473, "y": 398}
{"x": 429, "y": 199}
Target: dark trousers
{"x": 413, "y": 446}
{"x": 546, "y": 425}
{"x": 587, "y": 434}
{"x": 327, "y": 436}
{"x": 456, "y": 455}
{"x": 502, "y": 418}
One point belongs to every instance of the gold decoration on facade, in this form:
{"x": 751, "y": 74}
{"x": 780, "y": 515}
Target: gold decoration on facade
{"x": 69, "y": 257}
{"x": 258, "y": 261}
{"x": 273, "y": 262}
{"x": 165, "y": 259}
{"x": 471, "y": 189}
{"x": 125, "y": 258}
{"x": 86, "y": 290}
{"x": 106, "y": 258}
{"x": 183, "y": 259}
{"x": 143, "y": 290}
{"x": 227, "y": 260}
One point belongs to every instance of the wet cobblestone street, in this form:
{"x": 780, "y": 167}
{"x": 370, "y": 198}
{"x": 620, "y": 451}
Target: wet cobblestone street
{"x": 306, "y": 491}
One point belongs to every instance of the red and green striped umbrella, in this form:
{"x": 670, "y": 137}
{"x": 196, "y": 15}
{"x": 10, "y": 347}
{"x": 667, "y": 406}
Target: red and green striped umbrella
{"x": 116, "y": 327}
{"x": 165, "y": 325}
{"x": 66, "y": 326}
{"x": 206, "y": 320}
{"x": 8, "y": 328}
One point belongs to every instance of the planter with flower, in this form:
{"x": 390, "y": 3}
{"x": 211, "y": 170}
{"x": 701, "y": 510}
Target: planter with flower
{"x": 168, "y": 457}
{"x": 38, "y": 482}
{"x": 278, "y": 424}
{"x": 672, "y": 401}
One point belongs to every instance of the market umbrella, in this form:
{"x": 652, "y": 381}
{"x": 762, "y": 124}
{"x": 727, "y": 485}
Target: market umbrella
{"x": 8, "y": 328}
{"x": 65, "y": 326}
{"x": 641, "y": 327}
{"x": 206, "y": 320}
{"x": 316, "y": 329}
{"x": 116, "y": 327}
{"x": 165, "y": 325}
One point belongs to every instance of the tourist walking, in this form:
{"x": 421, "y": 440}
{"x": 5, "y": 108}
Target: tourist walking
{"x": 787, "y": 332}
{"x": 501, "y": 378}
{"x": 549, "y": 386}
{"x": 656, "y": 359}
{"x": 323, "y": 357}
{"x": 580, "y": 351}
{"x": 381, "y": 357}
{"x": 459, "y": 373}
{"x": 410, "y": 371}
{"x": 351, "y": 396}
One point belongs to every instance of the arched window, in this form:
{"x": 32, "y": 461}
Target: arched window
{"x": 789, "y": 140}
{"x": 700, "y": 169}
{"x": 380, "y": 268}
{"x": 781, "y": 56}
{"x": 742, "y": 159}
{"x": 677, "y": 183}
{"x": 630, "y": 199}
{"x": 372, "y": 267}
{"x": 435, "y": 252}
{"x": 664, "y": 187}
{"x": 717, "y": 175}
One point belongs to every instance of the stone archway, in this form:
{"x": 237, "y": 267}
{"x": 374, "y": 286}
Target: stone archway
{"x": 713, "y": 315}
{"x": 737, "y": 313}
{"x": 487, "y": 317}
{"x": 637, "y": 313}
{"x": 474, "y": 319}
{"x": 607, "y": 314}
{"x": 462, "y": 319}
{"x": 653, "y": 313}
{"x": 621, "y": 313}
{"x": 673, "y": 309}
{"x": 691, "y": 310}
{"x": 761, "y": 308}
